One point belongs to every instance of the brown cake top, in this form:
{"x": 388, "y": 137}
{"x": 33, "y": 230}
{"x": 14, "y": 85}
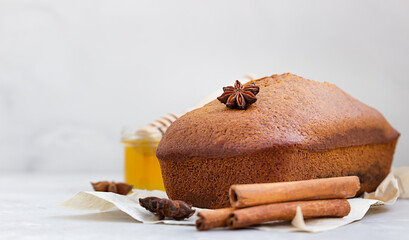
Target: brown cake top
{"x": 290, "y": 112}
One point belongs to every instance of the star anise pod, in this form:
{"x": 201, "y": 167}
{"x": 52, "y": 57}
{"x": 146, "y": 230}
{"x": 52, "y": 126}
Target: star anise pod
{"x": 115, "y": 187}
{"x": 240, "y": 96}
{"x": 163, "y": 207}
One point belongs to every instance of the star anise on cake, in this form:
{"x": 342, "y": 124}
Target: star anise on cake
{"x": 240, "y": 96}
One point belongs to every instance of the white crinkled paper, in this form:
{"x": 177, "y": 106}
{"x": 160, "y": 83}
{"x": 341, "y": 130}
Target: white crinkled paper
{"x": 103, "y": 201}
{"x": 395, "y": 185}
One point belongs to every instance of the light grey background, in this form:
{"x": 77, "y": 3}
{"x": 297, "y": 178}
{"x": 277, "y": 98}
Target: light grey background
{"x": 73, "y": 73}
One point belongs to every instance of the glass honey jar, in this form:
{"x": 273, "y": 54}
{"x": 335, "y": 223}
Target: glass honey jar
{"x": 142, "y": 168}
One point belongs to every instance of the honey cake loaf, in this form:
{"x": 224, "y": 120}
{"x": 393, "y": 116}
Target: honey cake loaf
{"x": 298, "y": 129}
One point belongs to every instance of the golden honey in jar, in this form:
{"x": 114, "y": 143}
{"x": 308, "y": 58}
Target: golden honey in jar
{"x": 142, "y": 168}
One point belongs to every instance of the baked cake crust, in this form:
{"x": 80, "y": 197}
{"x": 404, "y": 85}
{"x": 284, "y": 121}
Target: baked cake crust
{"x": 298, "y": 129}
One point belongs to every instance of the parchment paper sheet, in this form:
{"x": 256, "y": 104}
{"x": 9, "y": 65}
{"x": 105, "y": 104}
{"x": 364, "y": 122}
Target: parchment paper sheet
{"x": 395, "y": 185}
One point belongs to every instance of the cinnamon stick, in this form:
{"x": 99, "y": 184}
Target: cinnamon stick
{"x": 212, "y": 219}
{"x": 286, "y": 211}
{"x": 245, "y": 195}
